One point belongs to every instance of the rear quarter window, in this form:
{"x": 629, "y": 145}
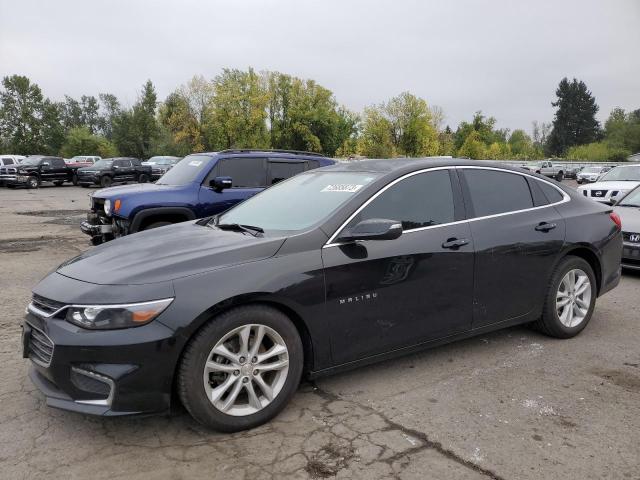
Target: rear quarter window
{"x": 552, "y": 193}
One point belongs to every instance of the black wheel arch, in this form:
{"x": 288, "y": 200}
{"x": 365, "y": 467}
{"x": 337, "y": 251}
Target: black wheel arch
{"x": 149, "y": 215}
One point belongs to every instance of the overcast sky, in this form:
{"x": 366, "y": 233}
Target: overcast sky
{"x": 502, "y": 57}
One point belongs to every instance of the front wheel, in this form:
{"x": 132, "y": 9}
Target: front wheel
{"x": 241, "y": 369}
{"x": 33, "y": 182}
{"x": 74, "y": 180}
{"x": 57, "y": 183}
{"x": 571, "y": 299}
{"x": 105, "y": 181}
{"x": 143, "y": 178}
{"x": 559, "y": 176}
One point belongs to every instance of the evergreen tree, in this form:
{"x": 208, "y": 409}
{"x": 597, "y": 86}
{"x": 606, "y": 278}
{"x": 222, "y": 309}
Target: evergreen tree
{"x": 575, "y": 119}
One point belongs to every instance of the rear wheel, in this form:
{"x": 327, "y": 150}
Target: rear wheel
{"x": 143, "y": 178}
{"x": 74, "y": 179}
{"x": 57, "y": 183}
{"x": 570, "y": 300}
{"x": 241, "y": 369}
{"x": 106, "y": 181}
{"x": 559, "y": 176}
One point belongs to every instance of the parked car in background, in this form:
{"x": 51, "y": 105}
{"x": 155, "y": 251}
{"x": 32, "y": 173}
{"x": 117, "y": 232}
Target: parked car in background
{"x": 111, "y": 170}
{"x": 10, "y": 162}
{"x": 36, "y": 169}
{"x": 84, "y": 160}
{"x": 591, "y": 174}
{"x": 571, "y": 171}
{"x": 161, "y": 165}
{"x": 331, "y": 269}
{"x": 200, "y": 185}
{"x": 547, "y": 168}
{"x": 613, "y": 185}
{"x": 628, "y": 207}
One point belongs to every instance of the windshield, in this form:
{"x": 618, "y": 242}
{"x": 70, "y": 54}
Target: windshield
{"x": 592, "y": 170}
{"x": 185, "y": 171}
{"x": 31, "y": 161}
{"x": 631, "y": 200}
{"x": 622, "y": 173}
{"x": 300, "y": 202}
{"x": 103, "y": 163}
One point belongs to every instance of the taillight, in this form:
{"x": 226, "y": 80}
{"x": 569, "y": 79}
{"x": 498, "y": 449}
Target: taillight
{"x": 615, "y": 218}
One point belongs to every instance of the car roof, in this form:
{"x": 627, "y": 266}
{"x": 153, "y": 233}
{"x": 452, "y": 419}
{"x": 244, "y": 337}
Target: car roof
{"x": 293, "y": 154}
{"x": 406, "y": 165}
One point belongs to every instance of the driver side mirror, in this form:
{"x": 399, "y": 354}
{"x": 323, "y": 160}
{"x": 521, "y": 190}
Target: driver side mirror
{"x": 373, "y": 229}
{"x": 220, "y": 183}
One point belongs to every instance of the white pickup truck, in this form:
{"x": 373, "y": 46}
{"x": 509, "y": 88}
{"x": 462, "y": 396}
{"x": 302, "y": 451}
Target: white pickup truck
{"x": 548, "y": 169}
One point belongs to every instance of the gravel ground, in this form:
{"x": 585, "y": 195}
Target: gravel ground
{"x": 513, "y": 404}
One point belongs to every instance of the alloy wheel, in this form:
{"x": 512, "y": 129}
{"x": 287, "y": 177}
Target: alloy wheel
{"x": 246, "y": 369}
{"x": 573, "y": 298}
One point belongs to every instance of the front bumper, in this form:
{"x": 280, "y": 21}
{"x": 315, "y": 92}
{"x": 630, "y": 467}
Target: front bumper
{"x": 101, "y": 228}
{"x": 14, "y": 179}
{"x": 88, "y": 179}
{"x": 114, "y": 372}
{"x": 631, "y": 256}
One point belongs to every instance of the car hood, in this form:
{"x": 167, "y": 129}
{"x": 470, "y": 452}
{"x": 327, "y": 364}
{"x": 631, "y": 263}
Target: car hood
{"x": 136, "y": 189}
{"x": 168, "y": 253}
{"x": 612, "y": 185}
{"x": 630, "y": 217}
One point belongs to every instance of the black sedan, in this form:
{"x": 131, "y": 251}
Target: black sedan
{"x": 331, "y": 269}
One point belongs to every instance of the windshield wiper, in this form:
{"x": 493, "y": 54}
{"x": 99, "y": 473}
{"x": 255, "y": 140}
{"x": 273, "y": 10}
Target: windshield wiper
{"x": 250, "y": 229}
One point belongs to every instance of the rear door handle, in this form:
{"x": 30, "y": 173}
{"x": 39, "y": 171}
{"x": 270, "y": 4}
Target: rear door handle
{"x": 455, "y": 243}
{"x": 545, "y": 227}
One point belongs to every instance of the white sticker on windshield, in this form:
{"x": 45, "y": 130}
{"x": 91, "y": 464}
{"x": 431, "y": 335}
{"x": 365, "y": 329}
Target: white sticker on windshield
{"x": 342, "y": 187}
{"x": 195, "y": 163}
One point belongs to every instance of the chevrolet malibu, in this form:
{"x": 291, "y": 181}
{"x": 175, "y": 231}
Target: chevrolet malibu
{"x": 331, "y": 269}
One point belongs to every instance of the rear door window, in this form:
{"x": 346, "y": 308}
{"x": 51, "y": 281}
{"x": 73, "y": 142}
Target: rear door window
{"x": 279, "y": 170}
{"x": 244, "y": 172}
{"x": 492, "y": 192}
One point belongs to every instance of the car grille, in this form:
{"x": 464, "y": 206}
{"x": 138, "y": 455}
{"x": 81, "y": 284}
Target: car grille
{"x": 627, "y": 237}
{"x": 40, "y": 347}
{"x": 45, "y": 305}
{"x": 599, "y": 193}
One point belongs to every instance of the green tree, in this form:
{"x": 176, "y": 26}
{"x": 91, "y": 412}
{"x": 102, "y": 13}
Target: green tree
{"x": 52, "y": 131}
{"x": 21, "y": 110}
{"x": 90, "y": 116}
{"x": 473, "y": 147}
{"x": 238, "y": 111}
{"x": 411, "y": 127}
{"x": 71, "y": 111}
{"x": 80, "y": 141}
{"x": 109, "y": 110}
{"x": 598, "y": 152}
{"x": 622, "y": 130}
{"x": 575, "y": 118}
{"x": 376, "y": 139}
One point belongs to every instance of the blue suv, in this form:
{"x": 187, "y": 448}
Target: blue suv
{"x": 198, "y": 186}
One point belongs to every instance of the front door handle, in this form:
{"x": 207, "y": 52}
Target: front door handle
{"x": 545, "y": 227}
{"x": 455, "y": 243}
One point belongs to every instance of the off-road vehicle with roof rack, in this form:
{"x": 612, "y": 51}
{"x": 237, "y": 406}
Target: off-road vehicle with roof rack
{"x": 200, "y": 185}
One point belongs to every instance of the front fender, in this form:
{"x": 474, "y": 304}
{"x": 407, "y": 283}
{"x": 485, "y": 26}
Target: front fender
{"x": 149, "y": 212}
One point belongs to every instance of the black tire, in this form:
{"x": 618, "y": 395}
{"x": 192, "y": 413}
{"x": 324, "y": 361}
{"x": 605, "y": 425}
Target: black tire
{"x": 157, "y": 225}
{"x": 11, "y": 186}
{"x": 105, "y": 181}
{"x": 57, "y": 183}
{"x": 559, "y": 176}
{"x": 33, "y": 182}
{"x": 143, "y": 178}
{"x": 84, "y": 185}
{"x": 550, "y": 323}
{"x": 190, "y": 373}
{"x": 74, "y": 179}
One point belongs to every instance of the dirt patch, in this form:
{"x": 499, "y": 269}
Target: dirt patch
{"x": 329, "y": 460}
{"x": 623, "y": 379}
{"x": 17, "y": 245}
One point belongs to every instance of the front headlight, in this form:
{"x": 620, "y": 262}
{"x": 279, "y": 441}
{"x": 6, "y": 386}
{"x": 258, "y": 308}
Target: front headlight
{"x": 108, "y": 317}
{"x": 107, "y": 207}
